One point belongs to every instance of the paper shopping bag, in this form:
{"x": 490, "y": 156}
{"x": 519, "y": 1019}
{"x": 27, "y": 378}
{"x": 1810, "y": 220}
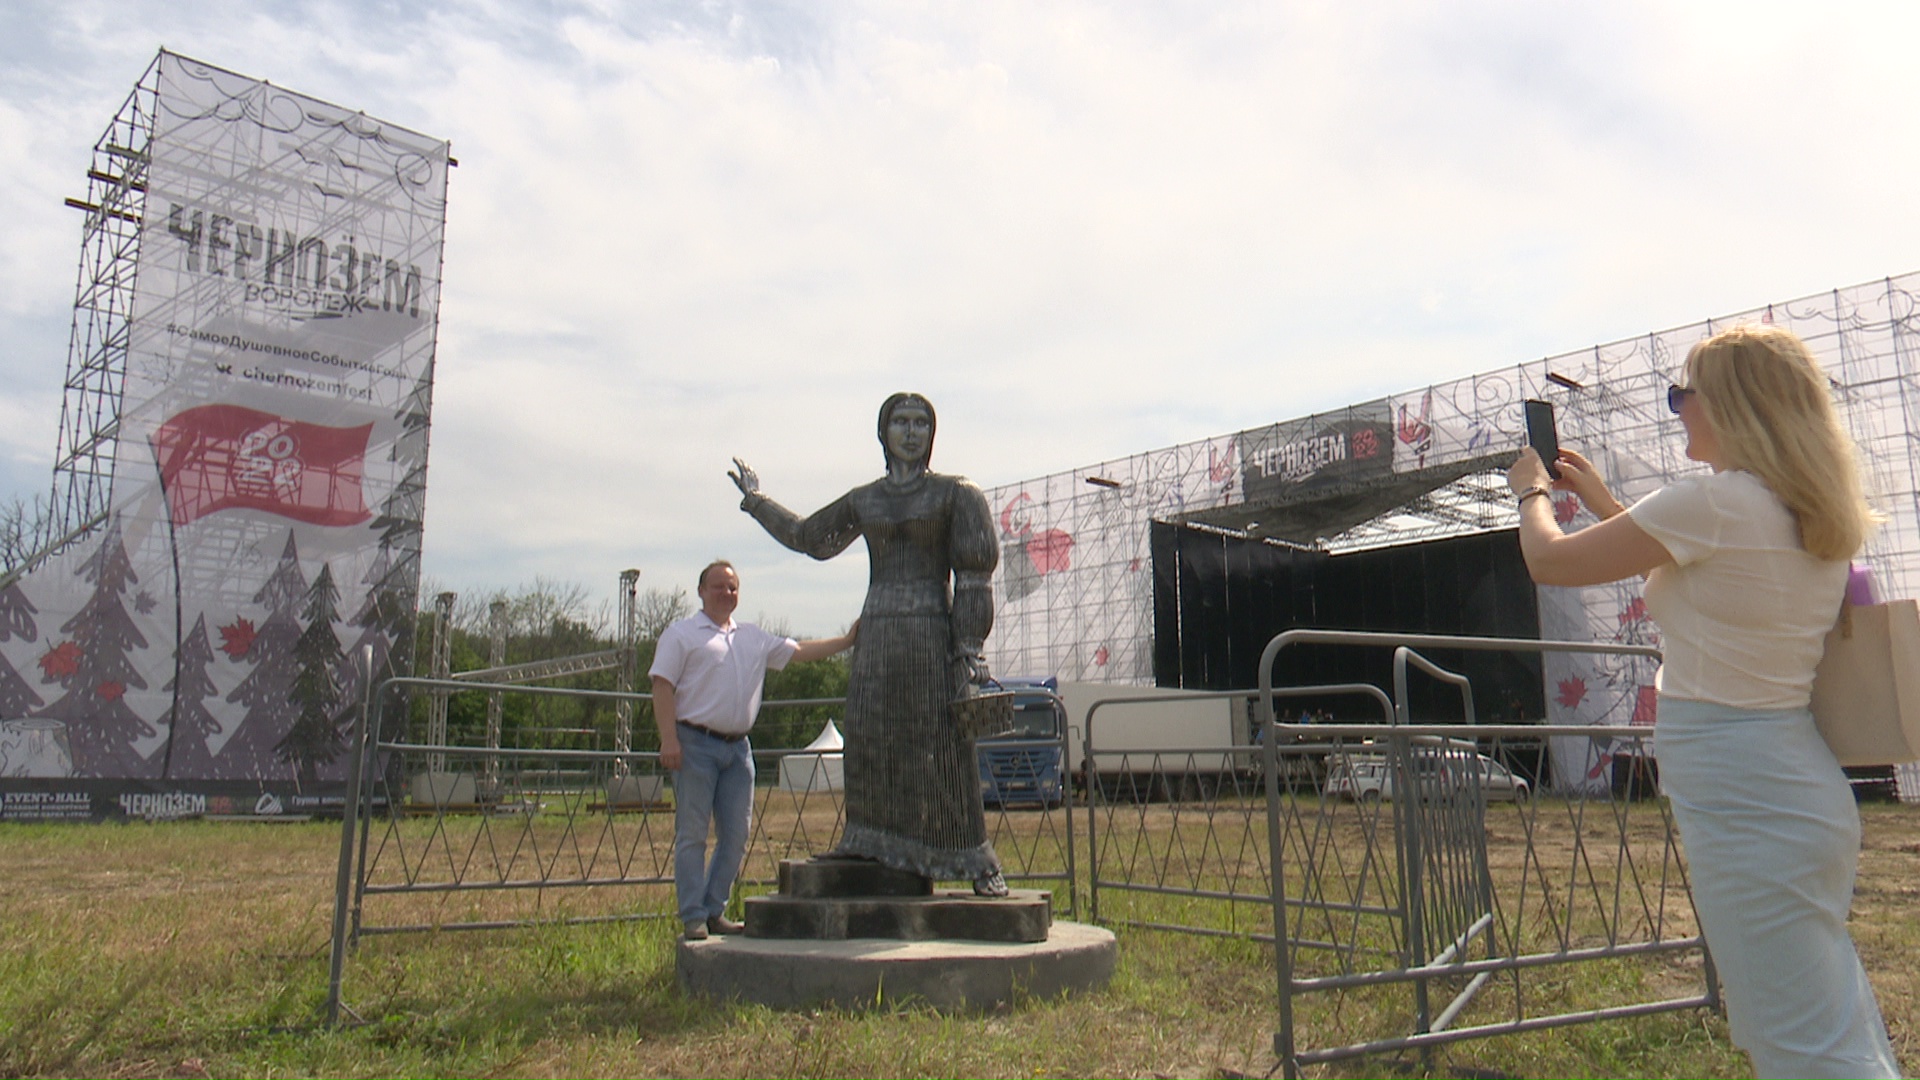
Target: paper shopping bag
{"x": 1866, "y": 691}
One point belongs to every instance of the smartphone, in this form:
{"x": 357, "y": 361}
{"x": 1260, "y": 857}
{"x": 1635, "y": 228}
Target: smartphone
{"x": 1542, "y": 436}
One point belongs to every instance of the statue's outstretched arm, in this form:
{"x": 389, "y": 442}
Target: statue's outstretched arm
{"x": 976, "y": 551}
{"x": 822, "y": 535}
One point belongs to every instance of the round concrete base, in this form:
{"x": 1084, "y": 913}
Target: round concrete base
{"x": 862, "y": 972}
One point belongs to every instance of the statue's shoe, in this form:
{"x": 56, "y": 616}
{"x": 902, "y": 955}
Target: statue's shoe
{"x": 990, "y": 885}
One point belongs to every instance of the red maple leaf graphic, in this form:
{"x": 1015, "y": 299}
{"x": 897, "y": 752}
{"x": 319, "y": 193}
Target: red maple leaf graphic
{"x": 1572, "y": 692}
{"x": 237, "y": 638}
{"x": 61, "y": 661}
{"x": 110, "y": 690}
{"x": 1564, "y": 508}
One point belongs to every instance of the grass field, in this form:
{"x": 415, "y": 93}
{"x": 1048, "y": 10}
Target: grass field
{"x": 197, "y": 949}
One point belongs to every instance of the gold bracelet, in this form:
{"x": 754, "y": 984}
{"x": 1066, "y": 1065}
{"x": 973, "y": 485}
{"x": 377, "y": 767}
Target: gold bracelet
{"x": 1531, "y": 492}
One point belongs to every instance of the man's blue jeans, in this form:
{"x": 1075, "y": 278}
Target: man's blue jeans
{"x": 713, "y": 787}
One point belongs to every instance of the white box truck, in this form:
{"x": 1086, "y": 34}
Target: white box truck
{"x": 1173, "y": 744}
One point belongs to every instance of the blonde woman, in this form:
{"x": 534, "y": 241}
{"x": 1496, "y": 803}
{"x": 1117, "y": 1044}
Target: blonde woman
{"x": 1745, "y": 570}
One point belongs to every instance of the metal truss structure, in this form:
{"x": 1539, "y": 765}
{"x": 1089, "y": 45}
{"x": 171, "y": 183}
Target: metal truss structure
{"x": 115, "y": 207}
{"x": 104, "y": 329}
{"x": 1074, "y": 595}
{"x": 497, "y": 673}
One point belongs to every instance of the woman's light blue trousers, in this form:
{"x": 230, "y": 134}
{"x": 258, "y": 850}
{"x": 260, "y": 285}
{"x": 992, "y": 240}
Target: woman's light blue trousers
{"x": 1772, "y": 840}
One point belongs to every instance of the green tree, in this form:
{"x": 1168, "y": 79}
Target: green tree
{"x": 548, "y": 620}
{"x": 784, "y": 727}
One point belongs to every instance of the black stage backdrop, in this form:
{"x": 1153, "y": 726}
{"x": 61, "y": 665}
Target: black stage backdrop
{"x": 1219, "y": 599}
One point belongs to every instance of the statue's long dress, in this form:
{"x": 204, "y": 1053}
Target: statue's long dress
{"x": 912, "y": 785}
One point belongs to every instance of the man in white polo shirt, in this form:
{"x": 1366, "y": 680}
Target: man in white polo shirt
{"x": 708, "y": 672}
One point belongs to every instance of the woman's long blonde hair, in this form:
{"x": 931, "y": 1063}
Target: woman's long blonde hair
{"x": 1766, "y": 398}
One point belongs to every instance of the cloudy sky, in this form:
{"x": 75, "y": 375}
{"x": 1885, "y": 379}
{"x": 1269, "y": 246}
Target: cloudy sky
{"x": 683, "y": 231}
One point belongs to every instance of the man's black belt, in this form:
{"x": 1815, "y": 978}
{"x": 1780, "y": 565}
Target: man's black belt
{"x": 705, "y": 730}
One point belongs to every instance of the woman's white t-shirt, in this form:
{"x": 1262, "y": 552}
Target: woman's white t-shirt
{"x": 1743, "y": 611}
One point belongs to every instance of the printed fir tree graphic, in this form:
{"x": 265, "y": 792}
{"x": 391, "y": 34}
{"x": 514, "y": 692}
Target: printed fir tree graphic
{"x": 385, "y": 618}
{"x": 267, "y": 691}
{"x": 314, "y": 739}
{"x": 189, "y": 754}
{"x": 95, "y": 667}
{"x": 380, "y": 626}
{"x": 17, "y": 696}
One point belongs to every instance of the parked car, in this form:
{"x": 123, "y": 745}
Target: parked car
{"x": 1368, "y": 777}
{"x": 1363, "y": 778}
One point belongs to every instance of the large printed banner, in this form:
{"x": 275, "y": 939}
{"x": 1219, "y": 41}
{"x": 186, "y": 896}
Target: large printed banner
{"x": 199, "y": 651}
{"x": 1444, "y": 424}
{"x": 1284, "y": 460}
{"x": 1074, "y": 594}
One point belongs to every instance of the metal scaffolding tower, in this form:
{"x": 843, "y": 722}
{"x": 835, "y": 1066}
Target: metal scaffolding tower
{"x": 628, "y": 638}
{"x": 115, "y": 206}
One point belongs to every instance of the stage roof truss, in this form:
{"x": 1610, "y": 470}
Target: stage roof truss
{"x": 1074, "y": 596}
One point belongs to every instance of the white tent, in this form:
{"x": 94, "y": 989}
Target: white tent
{"x": 818, "y": 767}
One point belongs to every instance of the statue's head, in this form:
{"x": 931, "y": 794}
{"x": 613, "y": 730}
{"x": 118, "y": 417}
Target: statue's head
{"x": 909, "y": 442}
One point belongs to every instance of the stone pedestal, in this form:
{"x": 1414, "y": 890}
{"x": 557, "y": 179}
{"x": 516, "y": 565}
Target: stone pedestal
{"x": 854, "y": 933}
{"x": 835, "y": 899}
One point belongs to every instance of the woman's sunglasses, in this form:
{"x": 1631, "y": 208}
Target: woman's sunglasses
{"x": 1676, "y": 396}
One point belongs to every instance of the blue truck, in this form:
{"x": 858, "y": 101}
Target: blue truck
{"x": 1026, "y": 767}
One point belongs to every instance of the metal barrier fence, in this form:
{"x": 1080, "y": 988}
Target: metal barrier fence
{"x": 1579, "y": 882}
{"x": 1392, "y": 867}
{"x": 1184, "y": 823}
{"x": 1429, "y": 889}
{"x": 446, "y": 837}
{"x": 1417, "y": 884}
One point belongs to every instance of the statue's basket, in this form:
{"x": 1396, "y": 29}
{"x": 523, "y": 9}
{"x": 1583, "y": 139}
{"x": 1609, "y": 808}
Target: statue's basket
{"x": 984, "y": 716}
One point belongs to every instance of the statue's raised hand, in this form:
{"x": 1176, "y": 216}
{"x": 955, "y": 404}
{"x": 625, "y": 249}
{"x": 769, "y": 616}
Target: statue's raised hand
{"x": 745, "y": 479}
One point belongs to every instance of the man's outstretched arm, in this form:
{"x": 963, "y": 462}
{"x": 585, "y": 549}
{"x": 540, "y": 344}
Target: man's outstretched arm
{"x": 821, "y": 648}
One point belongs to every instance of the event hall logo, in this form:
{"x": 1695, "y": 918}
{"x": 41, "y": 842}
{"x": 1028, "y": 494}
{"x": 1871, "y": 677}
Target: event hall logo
{"x": 221, "y": 457}
{"x": 45, "y": 805}
{"x": 289, "y": 273}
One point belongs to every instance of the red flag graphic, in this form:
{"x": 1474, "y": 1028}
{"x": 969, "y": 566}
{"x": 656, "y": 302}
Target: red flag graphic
{"x": 223, "y": 457}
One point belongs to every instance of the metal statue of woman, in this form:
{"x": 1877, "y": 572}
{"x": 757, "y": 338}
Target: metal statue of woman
{"x": 912, "y": 785}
